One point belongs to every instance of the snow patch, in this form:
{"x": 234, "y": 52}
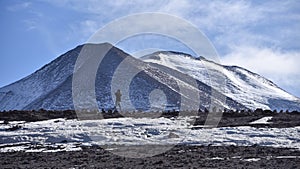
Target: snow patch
{"x": 263, "y": 120}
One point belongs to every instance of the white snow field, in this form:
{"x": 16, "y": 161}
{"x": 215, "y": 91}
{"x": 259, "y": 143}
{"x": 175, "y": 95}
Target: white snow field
{"x": 69, "y": 135}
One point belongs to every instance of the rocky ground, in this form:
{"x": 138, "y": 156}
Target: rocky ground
{"x": 228, "y": 118}
{"x": 178, "y": 157}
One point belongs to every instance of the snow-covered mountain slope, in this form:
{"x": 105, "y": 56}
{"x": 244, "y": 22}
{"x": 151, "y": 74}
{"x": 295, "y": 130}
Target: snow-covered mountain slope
{"x": 51, "y": 86}
{"x": 250, "y": 89}
{"x": 23, "y": 92}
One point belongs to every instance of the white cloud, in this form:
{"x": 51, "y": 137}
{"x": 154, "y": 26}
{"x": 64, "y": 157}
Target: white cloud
{"x": 225, "y": 22}
{"x": 264, "y": 60}
{"x": 250, "y": 34}
{"x": 280, "y": 67}
{"x": 88, "y": 27}
{"x": 18, "y": 6}
{"x": 225, "y": 16}
{"x": 30, "y": 24}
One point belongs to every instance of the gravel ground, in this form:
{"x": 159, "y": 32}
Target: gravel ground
{"x": 180, "y": 156}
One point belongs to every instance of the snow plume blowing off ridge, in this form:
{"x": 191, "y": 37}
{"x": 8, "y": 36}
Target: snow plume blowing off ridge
{"x": 159, "y": 81}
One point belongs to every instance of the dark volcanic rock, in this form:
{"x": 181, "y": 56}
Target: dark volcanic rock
{"x": 178, "y": 157}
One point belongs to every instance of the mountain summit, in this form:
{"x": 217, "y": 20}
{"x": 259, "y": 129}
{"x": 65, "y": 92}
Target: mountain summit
{"x": 167, "y": 80}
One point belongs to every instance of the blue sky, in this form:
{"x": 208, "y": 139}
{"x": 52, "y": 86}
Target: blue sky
{"x": 262, "y": 36}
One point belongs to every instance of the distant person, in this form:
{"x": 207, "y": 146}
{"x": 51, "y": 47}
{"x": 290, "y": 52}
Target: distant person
{"x": 118, "y": 99}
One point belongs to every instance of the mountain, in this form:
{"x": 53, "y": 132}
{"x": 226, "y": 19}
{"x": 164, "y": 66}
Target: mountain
{"x": 145, "y": 86}
{"x": 162, "y": 80}
{"x": 243, "y": 86}
{"x": 18, "y": 95}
